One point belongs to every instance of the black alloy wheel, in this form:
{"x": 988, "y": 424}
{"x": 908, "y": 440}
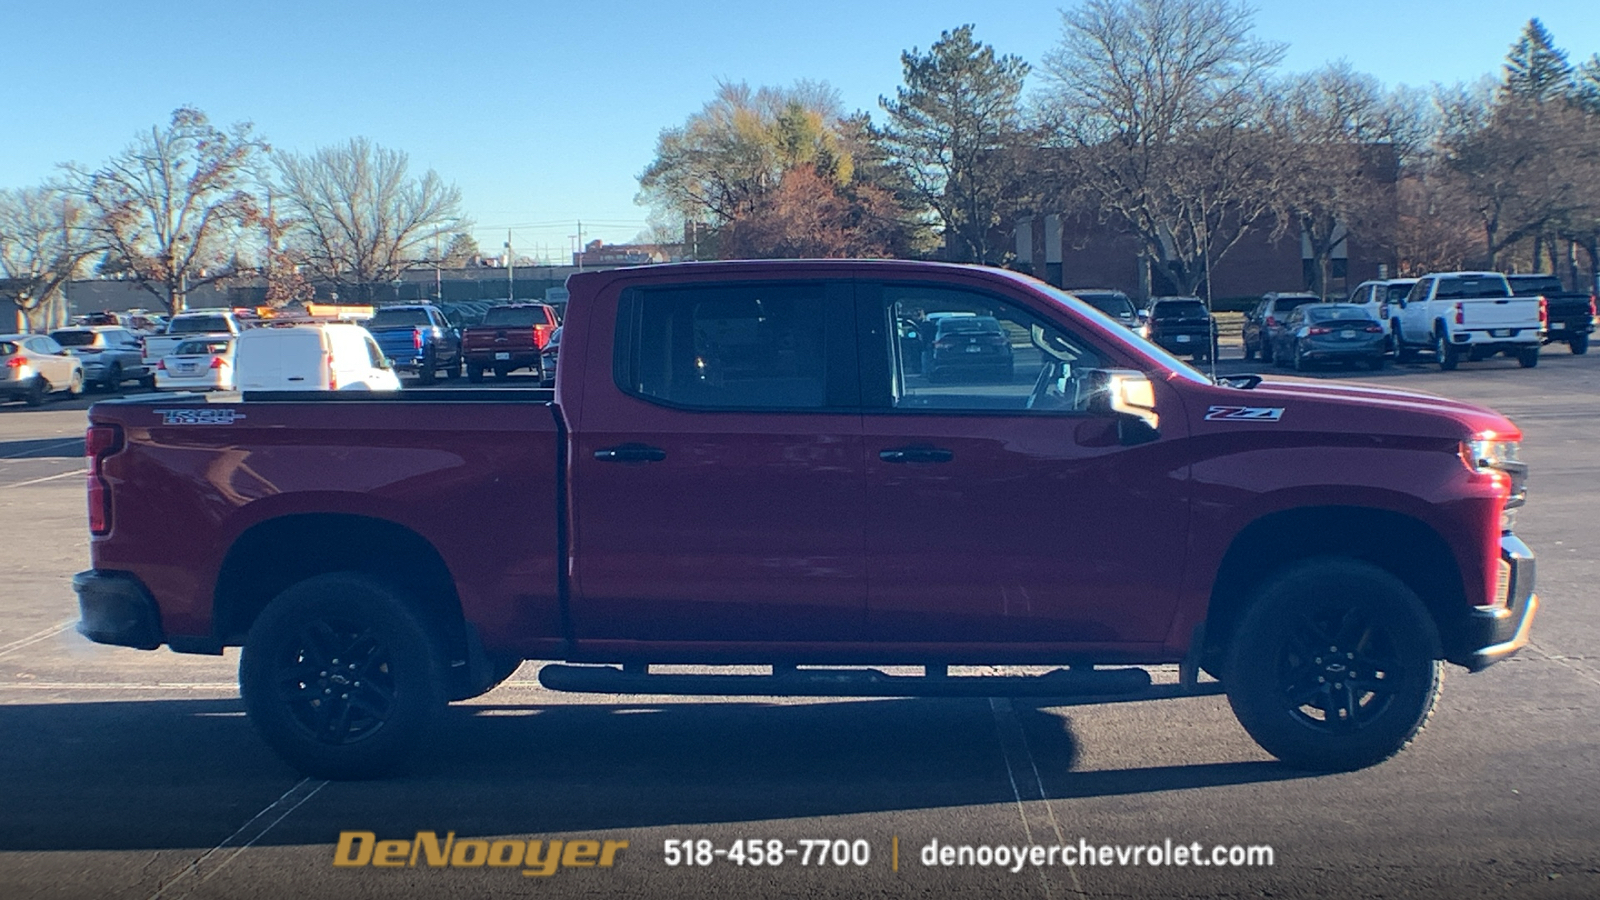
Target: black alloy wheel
{"x": 1334, "y": 666}
{"x": 342, "y": 677}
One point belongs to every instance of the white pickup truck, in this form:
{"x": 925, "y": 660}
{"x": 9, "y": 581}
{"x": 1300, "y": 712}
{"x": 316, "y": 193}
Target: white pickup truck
{"x": 204, "y": 323}
{"x": 1467, "y": 314}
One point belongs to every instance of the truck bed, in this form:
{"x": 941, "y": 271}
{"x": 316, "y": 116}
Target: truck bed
{"x": 472, "y": 474}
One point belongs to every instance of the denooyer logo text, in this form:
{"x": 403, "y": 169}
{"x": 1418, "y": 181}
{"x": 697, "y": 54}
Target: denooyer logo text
{"x": 536, "y": 858}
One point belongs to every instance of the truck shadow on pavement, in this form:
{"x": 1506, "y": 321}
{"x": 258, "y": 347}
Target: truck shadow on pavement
{"x": 186, "y": 773}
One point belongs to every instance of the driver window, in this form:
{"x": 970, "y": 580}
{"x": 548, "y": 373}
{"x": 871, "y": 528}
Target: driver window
{"x": 961, "y": 351}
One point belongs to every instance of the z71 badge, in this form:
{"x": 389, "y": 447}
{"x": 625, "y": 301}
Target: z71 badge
{"x": 199, "y": 416}
{"x": 1245, "y": 413}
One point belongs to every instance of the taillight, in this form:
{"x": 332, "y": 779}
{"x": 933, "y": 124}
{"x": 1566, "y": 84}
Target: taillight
{"x": 1544, "y": 313}
{"x": 17, "y": 362}
{"x": 541, "y": 336}
{"x": 1319, "y": 329}
{"x": 416, "y": 338}
{"x": 1461, "y": 314}
{"x": 1592, "y": 299}
{"x": 161, "y": 364}
{"x": 216, "y": 362}
{"x": 333, "y": 376}
{"x": 99, "y": 442}
{"x": 1272, "y": 321}
{"x": 1374, "y": 328}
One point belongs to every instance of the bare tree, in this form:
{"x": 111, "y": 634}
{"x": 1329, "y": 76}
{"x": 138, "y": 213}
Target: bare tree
{"x": 356, "y": 218}
{"x": 170, "y": 207}
{"x": 44, "y": 240}
{"x": 1160, "y": 109}
{"x": 1340, "y": 176}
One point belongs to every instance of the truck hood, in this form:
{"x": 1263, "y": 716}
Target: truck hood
{"x": 1316, "y": 405}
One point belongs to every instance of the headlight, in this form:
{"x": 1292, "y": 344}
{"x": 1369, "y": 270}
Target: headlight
{"x": 1497, "y": 458}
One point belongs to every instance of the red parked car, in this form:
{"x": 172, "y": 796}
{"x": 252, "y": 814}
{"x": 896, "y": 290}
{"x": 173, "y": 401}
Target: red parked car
{"x": 510, "y": 337}
{"x": 735, "y": 467}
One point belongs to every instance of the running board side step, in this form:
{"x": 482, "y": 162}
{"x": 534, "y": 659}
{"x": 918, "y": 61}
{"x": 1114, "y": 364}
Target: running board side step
{"x": 1074, "y": 686}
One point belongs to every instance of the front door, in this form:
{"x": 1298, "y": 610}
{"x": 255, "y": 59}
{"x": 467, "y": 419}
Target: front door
{"x": 1000, "y": 508}
{"x": 717, "y": 488}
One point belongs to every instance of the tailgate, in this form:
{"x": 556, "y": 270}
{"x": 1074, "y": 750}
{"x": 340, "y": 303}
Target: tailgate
{"x": 474, "y": 477}
{"x": 1499, "y": 312}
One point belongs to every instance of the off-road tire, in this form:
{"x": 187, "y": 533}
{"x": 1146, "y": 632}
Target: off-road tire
{"x": 1334, "y": 666}
{"x": 342, "y": 677}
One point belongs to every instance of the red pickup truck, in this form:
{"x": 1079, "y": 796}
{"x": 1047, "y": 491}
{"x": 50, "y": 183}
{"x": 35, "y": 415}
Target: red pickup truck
{"x": 738, "y": 465}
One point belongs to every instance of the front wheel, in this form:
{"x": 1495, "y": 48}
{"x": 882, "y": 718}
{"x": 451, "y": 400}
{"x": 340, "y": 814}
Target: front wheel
{"x": 341, "y": 677}
{"x": 1334, "y": 666}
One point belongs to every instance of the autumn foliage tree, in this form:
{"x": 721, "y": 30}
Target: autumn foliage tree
{"x": 775, "y": 173}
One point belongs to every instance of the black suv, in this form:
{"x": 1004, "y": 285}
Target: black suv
{"x": 1181, "y": 325}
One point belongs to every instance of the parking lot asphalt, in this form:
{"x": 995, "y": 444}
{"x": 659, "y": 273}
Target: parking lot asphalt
{"x": 132, "y": 774}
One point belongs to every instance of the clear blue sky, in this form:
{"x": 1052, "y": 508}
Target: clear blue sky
{"x": 545, "y": 113}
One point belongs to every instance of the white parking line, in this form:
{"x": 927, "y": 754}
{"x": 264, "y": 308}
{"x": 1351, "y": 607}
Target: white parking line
{"x": 47, "y": 478}
{"x": 35, "y": 638}
{"x": 1014, "y": 742}
{"x": 116, "y": 686}
{"x": 255, "y": 829}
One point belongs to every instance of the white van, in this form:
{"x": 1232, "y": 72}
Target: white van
{"x": 332, "y": 356}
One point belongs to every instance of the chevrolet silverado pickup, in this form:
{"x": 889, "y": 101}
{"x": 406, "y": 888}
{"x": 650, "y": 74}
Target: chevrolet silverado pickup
{"x": 1568, "y": 317}
{"x": 739, "y": 465}
{"x": 1467, "y": 315}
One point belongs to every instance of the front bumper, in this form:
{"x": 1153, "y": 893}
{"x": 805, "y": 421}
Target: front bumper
{"x": 1496, "y": 632}
{"x": 115, "y": 608}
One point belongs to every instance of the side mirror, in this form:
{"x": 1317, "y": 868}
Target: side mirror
{"x": 1128, "y": 395}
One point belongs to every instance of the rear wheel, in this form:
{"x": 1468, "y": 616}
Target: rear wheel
{"x": 1334, "y": 666}
{"x": 1579, "y": 344}
{"x": 454, "y": 369}
{"x": 37, "y": 392}
{"x": 148, "y": 382}
{"x": 1375, "y": 363}
{"x": 1266, "y": 351}
{"x": 502, "y": 372}
{"x": 75, "y": 384}
{"x": 475, "y": 374}
{"x": 341, "y": 677}
{"x": 428, "y": 371}
{"x": 1449, "y": 356}
{"x": 1528, "y": 358}
{"x": 113, "y": 379}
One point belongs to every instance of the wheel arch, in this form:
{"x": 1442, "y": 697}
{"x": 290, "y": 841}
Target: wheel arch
{"x": 1395, "y": 542}
{"x": 275, "y": 553}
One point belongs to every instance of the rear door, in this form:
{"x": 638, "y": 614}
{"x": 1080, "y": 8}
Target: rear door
{"x": 1003, "y": 509}
{"x": 717, "y": 468}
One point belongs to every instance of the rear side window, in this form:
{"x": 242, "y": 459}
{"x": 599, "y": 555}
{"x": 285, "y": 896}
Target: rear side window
{"x": 8, "y": 349}
{"x": 767, "y": 347}
{"x": 374, "y": 355}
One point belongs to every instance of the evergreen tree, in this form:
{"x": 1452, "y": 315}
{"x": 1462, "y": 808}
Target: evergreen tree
{"x": 950, "y": 130}
{"x": 1535, "y": 68}
{"x": 1586, "y": 85}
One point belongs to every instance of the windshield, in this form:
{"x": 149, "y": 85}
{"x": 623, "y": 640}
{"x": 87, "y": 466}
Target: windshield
{"x": 969, "y": 323}
{"x": 1181, "y": 309}
{"x": 197, "y": 325}
{"x": 412, "y": 316}
{"x": 1335, "y": 311}
{"x": 1466, "y": 287}
{"x": 1111, "y": 303}
{"x": 515, "y": 315}
{"x": 1534, "y": 285}
{"x": 1398, "y": 292}
{"x": 202, "y": 348}
{"x": 1129, "y": 339}
{"x": 1284, "y": 304}
{"x": 74, "y": 338}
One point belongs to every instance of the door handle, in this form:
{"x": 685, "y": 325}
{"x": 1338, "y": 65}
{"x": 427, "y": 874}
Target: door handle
{"x": 917, "y": 455}
{"x": 631, "y": 453}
